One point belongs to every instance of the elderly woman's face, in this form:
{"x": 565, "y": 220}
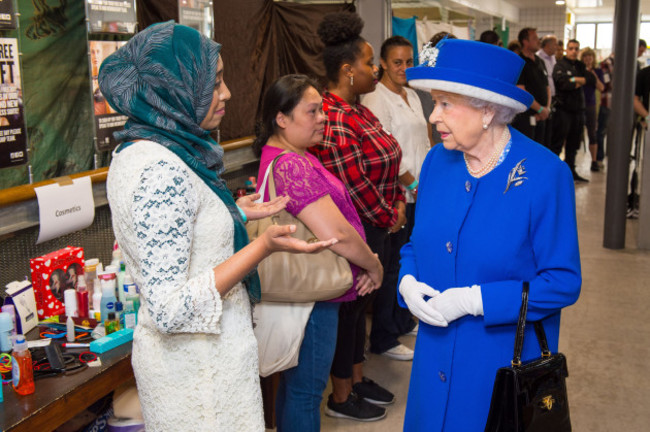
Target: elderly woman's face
{"x": 460, "y": 125}
{"x": 305, "y": 126}
{"x": 220, "y": 95}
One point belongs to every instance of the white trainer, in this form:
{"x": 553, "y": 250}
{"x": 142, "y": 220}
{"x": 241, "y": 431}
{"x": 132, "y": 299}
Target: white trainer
{"x": 399, "y": 352}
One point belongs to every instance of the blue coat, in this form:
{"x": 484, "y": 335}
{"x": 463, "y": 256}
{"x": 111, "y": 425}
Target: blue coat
{"x": 517, "y": 223}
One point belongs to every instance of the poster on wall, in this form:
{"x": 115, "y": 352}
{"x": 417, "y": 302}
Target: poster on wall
{"x": 107, "y": 120}
{"x": 7, "y": 20}
{"x": 197, "y": 14}
{"x": 111, "y": 16}
{"x": 13, "y": 143}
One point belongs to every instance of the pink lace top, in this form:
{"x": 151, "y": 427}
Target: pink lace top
{"x": 305, "y": 180}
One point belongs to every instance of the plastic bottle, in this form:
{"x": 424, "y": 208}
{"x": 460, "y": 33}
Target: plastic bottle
{"x": 108, "y": 300}
{"x": 69, "y": 330}
{"x": 11, "y": 310}
{"x": 21, "y": 367}
{"x": 128, "y": 318}
{"x": 82, "y": 299}
{"x": 6, "y": 327}
{"x": 131, "y": 291}
{"x": 70, "y": 301}
{"x": 97, "y": 295}
{"x": 111, "y": 325}
{"x": 90, "y": 273}
{"x": 121, "y": 294}
{"x": 119, "y": 309}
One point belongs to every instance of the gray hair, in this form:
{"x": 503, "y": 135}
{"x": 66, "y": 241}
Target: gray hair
{"x": 503, "y": 115}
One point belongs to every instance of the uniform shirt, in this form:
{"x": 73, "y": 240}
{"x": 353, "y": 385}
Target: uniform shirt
{"x": 642, "y": 88}
{"x": 406, "y": 123}
{"x": 534, "y": 77}
{"x": 569, "y": 96}
{"x": 366, "y": 158}
{"x": 549, "y": 63}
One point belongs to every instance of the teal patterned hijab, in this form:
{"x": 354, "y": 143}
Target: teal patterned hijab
{"x": 163, "y": 79}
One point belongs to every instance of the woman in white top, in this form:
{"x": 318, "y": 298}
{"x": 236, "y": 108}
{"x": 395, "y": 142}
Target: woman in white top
{"x": 183, "y": 236}
{"x": 399, "y": 110}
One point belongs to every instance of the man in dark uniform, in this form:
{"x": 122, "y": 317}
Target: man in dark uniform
{"x": 569, "y": 75}
{"x": 534, "y": 80}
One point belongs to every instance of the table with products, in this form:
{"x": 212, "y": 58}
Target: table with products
{"x": 59, "y": 398}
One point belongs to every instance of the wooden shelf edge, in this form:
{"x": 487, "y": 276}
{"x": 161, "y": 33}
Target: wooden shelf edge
{"x": 26, "y": 192}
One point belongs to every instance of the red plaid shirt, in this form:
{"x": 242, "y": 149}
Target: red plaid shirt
{"x": 365, "y": 157}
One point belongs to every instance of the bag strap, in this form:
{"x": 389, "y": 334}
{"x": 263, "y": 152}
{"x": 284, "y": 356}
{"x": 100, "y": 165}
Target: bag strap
{"x": 269, "y": 169}
{"x": 521, "y": 326}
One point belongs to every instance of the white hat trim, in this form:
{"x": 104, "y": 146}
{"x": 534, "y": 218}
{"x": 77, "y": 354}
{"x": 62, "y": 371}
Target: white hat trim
{"x": 467, "y": 90}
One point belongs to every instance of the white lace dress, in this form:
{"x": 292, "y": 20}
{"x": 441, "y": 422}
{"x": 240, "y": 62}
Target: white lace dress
{"x": 194, "y": 353}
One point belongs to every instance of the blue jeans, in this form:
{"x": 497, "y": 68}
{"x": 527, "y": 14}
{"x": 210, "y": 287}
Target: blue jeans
{"x": 297, "y": 404}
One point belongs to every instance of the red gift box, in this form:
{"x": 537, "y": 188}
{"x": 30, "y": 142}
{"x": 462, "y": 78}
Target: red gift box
{"x": 51, "y": 275}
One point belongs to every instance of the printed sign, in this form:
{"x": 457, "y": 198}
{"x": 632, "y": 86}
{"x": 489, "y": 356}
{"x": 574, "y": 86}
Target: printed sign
{"x": 197, "y": 14}
{"x": 7, "y": 20}
{"x": 13, "y": 143}
{"x": 107, "y": 120}
{"x": 111, "y": 16}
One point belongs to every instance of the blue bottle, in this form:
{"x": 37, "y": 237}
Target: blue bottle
{"x": 107, "y": 305}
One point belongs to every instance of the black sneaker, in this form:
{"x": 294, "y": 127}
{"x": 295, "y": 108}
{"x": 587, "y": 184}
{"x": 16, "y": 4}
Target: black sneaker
{"x": 578, "y": 178}
{"x": 354, "y": 408}
{"x": 372, "y": 392}
{"x": 595, "y": 167}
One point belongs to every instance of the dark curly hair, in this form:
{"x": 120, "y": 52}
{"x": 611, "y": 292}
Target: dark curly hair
{"x": 282, "y": 96}
{"x": 341, "y": 34}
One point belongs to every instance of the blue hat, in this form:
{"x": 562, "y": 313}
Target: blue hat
{"x": 473, "y": 69}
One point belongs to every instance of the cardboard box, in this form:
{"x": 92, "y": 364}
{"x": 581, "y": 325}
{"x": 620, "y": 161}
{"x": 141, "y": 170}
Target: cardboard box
{"x": 51, "y": 275}
{"x": 21, "y": 295}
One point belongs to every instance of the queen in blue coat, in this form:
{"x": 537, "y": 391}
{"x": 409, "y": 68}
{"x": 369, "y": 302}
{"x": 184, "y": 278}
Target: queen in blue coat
{"x": 494, "y": 209}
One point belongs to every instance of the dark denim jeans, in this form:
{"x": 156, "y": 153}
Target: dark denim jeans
{"x": 297, "y": 404}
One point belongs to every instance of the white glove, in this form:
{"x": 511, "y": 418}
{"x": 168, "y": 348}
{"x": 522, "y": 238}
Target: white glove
{"x": 413, "y": 293}
{"x": 458, "y": 302}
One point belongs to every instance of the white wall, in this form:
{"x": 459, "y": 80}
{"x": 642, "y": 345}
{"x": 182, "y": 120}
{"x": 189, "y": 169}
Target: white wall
{"x": 375, "y": 14}
{"x": 548, "y": 20}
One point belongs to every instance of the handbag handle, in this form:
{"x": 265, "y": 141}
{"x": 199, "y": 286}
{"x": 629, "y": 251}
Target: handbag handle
{"x": 521, "y": 326}
{"x": 269, "y": 169}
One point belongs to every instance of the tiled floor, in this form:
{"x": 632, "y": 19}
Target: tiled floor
{"x": 605, "y": 335}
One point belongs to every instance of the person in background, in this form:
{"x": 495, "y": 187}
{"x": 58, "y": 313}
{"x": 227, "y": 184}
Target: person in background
{"x": 547, "y": 54}
{"x": 490, "y": 37}
{"x": 514, "y": 46}
{"x": 569, "y": 76}
{"x": 293, "y": 120}
{"x": 588, "y": 57}
{"x": 534, "y": 80}
{"x": 366, "y": 158}
{"x": 495, "y": 209}
{"x": 559, "y": 53}
{"x": 425, "y": 97}
{"x": 398, "y": 109}
{"x": 182, "y": 235}
{"x": 643, "y": 46}
{"x": 607, "y": 66}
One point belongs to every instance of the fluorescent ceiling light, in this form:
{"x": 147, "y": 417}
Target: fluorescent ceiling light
{"x": 560, "y": 2}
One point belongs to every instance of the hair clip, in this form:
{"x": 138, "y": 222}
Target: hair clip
{"x": 429, "y": 55}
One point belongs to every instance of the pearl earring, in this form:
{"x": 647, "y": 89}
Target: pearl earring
{"x": 351, "y": 80}
{"x": 485, "y": 126}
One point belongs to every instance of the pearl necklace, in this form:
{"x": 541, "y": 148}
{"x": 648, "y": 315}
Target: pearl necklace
{"x": 494, "y": 157}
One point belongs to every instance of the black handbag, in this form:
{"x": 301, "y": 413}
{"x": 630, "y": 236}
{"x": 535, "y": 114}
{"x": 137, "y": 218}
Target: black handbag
{"x": 532, "y": 396}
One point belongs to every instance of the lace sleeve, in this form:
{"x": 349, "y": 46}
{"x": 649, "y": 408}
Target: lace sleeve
{"x": 297, "y": 178}
{"x": 164, "y": 211}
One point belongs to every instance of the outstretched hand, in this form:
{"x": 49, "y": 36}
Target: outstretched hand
{"x": 256, "y": 210}
{"x": 278, "y": 239}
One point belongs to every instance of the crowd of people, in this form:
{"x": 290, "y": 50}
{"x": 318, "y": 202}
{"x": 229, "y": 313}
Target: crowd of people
{"x": 435, "y": 181}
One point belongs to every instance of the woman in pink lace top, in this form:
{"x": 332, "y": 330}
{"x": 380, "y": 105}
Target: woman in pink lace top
{"x": 293, "y": 120}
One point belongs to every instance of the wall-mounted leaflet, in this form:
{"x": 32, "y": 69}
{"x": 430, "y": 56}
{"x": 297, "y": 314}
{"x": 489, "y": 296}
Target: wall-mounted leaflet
{"x": 111, "y": 16}
{"x": 7, "y": 17}
{"x": 107, "y": 120}
{"x": 13, "y": 143}
{"x": 197, "y": 14}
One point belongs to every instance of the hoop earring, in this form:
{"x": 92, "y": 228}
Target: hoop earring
{"x": 351, "y": 80}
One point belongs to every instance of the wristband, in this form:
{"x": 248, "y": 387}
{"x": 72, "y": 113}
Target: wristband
{"x": 539, "y": 111}
{"x": 243, "y": 215}
{"x": 412, "y": 185}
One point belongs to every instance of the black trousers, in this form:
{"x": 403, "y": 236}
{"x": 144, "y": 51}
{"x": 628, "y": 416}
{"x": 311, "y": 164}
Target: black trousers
{"x": 536, "y": 133}
{"x": 567, "y": 127}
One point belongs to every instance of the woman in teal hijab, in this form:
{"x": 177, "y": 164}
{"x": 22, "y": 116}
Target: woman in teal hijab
{"x": 182, "y": 235}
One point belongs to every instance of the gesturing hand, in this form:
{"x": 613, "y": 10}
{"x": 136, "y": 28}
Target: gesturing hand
{"x": 278, "y": 239}
{"x": 257, "y": 210}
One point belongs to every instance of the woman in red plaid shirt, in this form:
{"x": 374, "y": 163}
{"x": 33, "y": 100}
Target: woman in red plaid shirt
{"x": 366, "y": 158}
